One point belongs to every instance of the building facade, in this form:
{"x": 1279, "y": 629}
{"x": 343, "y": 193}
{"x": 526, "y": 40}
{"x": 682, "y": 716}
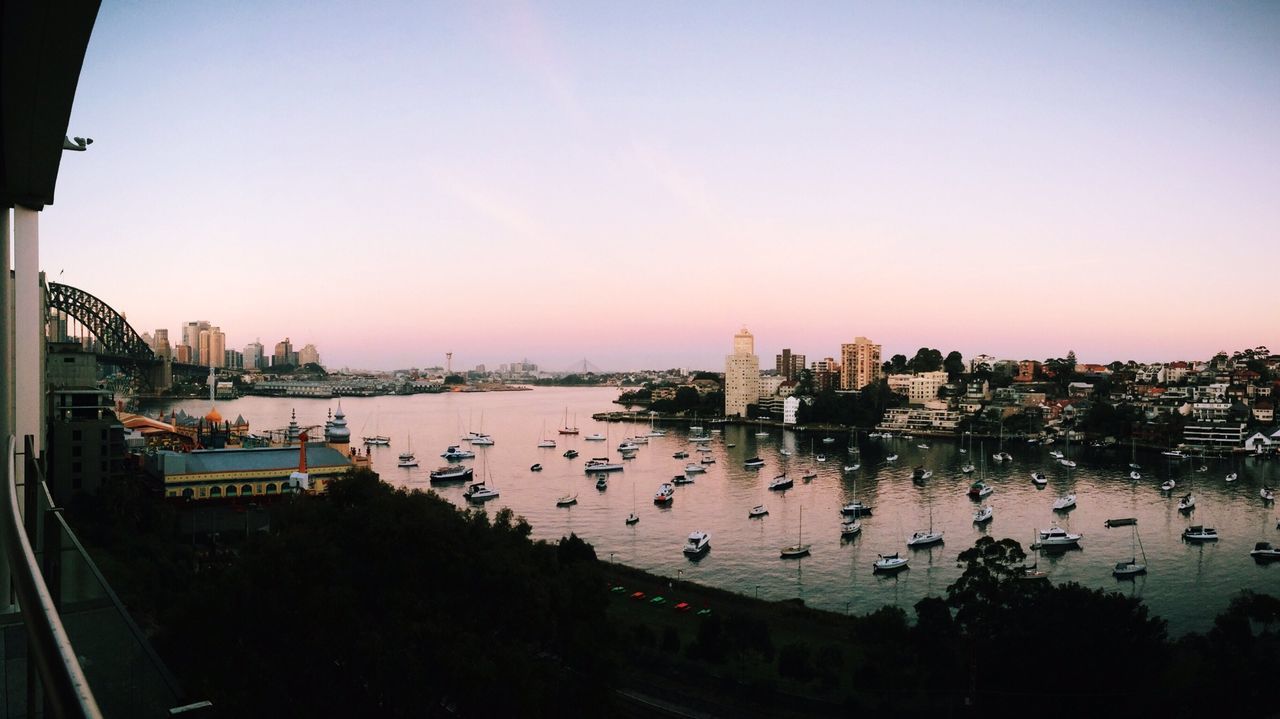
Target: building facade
{"x": 788, "y": 365}
{"x": 741, "y": 375}
{"x": 859, "y": 363}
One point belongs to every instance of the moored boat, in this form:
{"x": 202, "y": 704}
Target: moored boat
{"x": 452, "y": 473}
{"x": 697, "y": 543}
{"x": 889, "y": 563}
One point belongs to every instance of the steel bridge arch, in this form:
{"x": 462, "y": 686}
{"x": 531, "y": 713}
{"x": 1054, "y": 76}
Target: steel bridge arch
{"x": 117, "y": 336}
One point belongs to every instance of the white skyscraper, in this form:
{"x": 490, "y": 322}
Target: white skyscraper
{"x": 741, "y": 375}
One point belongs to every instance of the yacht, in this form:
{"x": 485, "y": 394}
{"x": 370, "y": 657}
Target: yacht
{"x": 782, "y": 481}
{"x": 757, "y": 511}
{"x": 666, "y": 492}
{"x": 808, "y": 475}
{"x": 891, "y": 458}
{"x": 753, "y": 463}
{"x": 850, "y": 527}
{"x": 680, "y": 455}
{"x": 821, "y": 458}
{"x": 707, "y": 459}
{"x": 570, "y": 453}
{"x": 1129, "y": 568}
{"x": 968, "y": 468}
{"x": 547, "y": 444}
{"x": 1006, "y": 457}
{"x": 681, "y": 479}
{"x": 984, "y": 514}
{"x": 784, "y": 452}
{"x": 1174, "y": 453}
{"x": 594, "y": 437}
{"x": 980, "y": 489}
{"x": 853, "y": 467}
{"x": 478, "y": 492}
{"x": 856, "y": 509}
{"x": 704, "y": 449}
{"x": 378, "y": 441}
{"x": 1267, "y": 494}
{"x": 1264, "y": 552}
{"x": 1067, "y": 463}
{"x": 567, "y": 501}
{"x": 601, "y": 464}
{"x": 1061, "y": 504}
{"x": 1167, "y": 485}
{"x": 628, "y": 446}
{"x": 407, "y": 460}
{"x": 455, "y": 453}
{"x": 828, "y": 440}
{"x": 692, "y": 468}
{"x": 481, "y": 439}
{"x": 451, "y": 473}
{"x": 639, "y": 439}
{"x": 697, "y": 543}
{"x": 1135, "y": 475}
{"x": 924, "y": 538}
{"x": 1187, "y": 503}
{"x": 1200, "y": 533}
{"x": 1039, "y": 479}
{"x": 1056, "y": 536}
{"x": 922, "y": 445}
{"x": 889, "y": 563}
{"x": 1232, "y": 477}
{"x": 920, "y": 473}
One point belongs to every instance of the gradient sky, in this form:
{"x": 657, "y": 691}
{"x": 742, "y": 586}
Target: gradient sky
{"x": 630, "y": 183}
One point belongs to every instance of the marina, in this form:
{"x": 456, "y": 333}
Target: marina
{"x": 1187, "y": 581}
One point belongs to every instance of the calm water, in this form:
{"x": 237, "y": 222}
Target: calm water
{"x": 1186, "y": 584}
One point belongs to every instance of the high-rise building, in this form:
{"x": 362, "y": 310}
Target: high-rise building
{"x": 308, "y": 355}
{"x": 191, "y": 338}
{"x": 212, "y": 348}
{"x": 741, "y": 375}
{"x": 233, "y": 359}
{"x": 160, "y": 344}
{"x": 859, "y": 363}
{"x": 284, "y": 354}
{"x": 788, "y": 365}
{"x": 182, "y": 354}
{"x": 253, "y": 355}
{"x": 826, "y": 374}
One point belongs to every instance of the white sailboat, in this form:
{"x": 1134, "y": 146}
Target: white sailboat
{"x": 1132, "y": 566}
{"x": 569, "y": 428}
{"x": 799, "y": 549}
{"x": 924, "y": 538}
{"x": 633, "y": 517}
{"x": 1133, "y": 454}
{"x": 406, "y": 457}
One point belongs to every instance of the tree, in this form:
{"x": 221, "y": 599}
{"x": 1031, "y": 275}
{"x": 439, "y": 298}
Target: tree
{"x": 926, "y": 360}
{"x": 686, "y": 398}
{"x": 954, "y": 365}
{"x": 897, "y": 365}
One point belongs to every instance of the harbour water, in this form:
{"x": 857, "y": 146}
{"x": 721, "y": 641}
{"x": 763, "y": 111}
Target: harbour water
{"x": 1187, "y": 584}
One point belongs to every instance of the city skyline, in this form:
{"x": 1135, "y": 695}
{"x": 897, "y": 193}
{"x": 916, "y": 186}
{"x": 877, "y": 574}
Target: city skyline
{"x": 631, "y": 185}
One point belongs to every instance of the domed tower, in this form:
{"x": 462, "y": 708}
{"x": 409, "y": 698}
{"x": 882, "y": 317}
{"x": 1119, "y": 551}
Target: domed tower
{"x": 338, "y": 434}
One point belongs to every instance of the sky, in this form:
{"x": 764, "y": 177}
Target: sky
{"x": 631, "y": 183}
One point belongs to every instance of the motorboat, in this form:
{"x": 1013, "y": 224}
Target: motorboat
{"x": 601, "y": 464}
{"x": 1232, "y": 477}
{"x": 680, "y": 455}
{"x": 666, "y": 492}
{"x": 828, "y": 440}
{"x": 984, "y": 514}
{"x": 924, "y": 538}
{"x": 873, "y": 435}
{"x": 753, "y": 463}
{"x": 692, "y": 468}
{"x": 483, "y": 440}
{"x": 628, "y": 453}
{"x": 808, "y": 475}
{"x": 1067, "y": 463}
{"x": 1200, "y": 533}
{"x": 730, "y": 445}
{"x": 633, "y": 518}
{"x": 821, "y": 458}
{"x": 628, "y": 446}
{"x": 850, "y": 527}
{"x": 639, "y": 439}
{"x": 697, "y": 543}
{"x": 479, "y": 492}
{"x": 757, "y": 511}
{"x": 1268, "y": 494}
{"x": 1056, "y": 536}
{"x": 891, "y": 458}
{"x": 980, "y": 489}
{"x": 452, "y": 473}
{"x": 536, "y": 468}
{"x": 920, "y": 473}
{"x": 680, "y": 479}
{"x": 1120, "y": 522}
{"x": 780, "y": 482}
{"x": 856, "y": 509}
{"x": 1174, "y": 453}
{"x": 567, "y": 501}
{"x": 1167, "y": 485}
{"x": 1135, "y": 475}
{"x": 852, "y": 467}
{"x": 1264, "y": 552}
{"x": 1039, "y": 479}
{"x": 1006, "y": 457}
{"x": 594, "y": 437}
{"x": 602, "y": 481}
{"x": 547, "y": 444}
{"x": 968, "y": 468}
{"x": 1187, "y": 503}
{"x": 707, "y": 459}
{"x": 784, "y": 452}
{"x": 1061, "y": 504}
{"x": 455, "y": 453}
{"x": 699, "y": 440}
{"x": 1056, "y": 454}
{"x": 889, "y": 563}
{"x": 378, "y": 441}
{"x": 922, "y": 445}
{"x": 570, "y": 453}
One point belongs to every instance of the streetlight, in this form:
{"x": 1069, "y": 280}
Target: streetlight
{"x": 679, "y": 574}
{"x": 611, "y": 557}
{"x": 757, "y": 591}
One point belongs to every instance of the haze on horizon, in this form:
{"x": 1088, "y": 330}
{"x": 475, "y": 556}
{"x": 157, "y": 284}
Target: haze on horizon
{"x": 631, "y": 185}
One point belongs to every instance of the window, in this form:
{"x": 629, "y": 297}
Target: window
{"x": 247, "y": 489}
{"x": 75, "y": 435}
{"x": 215, "y": 491}
{"x": 231, "y": 491}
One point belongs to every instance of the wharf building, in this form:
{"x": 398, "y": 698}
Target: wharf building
{"x": 741, "y": 375}
{"x": 300, "y": 465}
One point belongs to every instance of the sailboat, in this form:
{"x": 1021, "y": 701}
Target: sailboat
{"x": 1133, "y": 566}
{"x": 480, "y": 491}
{"x": 546, "y": 442}
{"x": 376, "y": 440}
{"x": 968, "y": 465}
{"x": 633, "y": 517}
{"x": 799, "y": 549}
{"x": 406, "y": 457}
{"x": 1066, "y": 460}
{"x": 654, "y": 431}
{"x": 761, "y": 431}
{"x": 1235, "y": 473}
{"x": 1001, "y": 455}
{"x": 926, "y": 538}
{"x": 1133, "y": 455}
{"x": 568, "y": 428}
